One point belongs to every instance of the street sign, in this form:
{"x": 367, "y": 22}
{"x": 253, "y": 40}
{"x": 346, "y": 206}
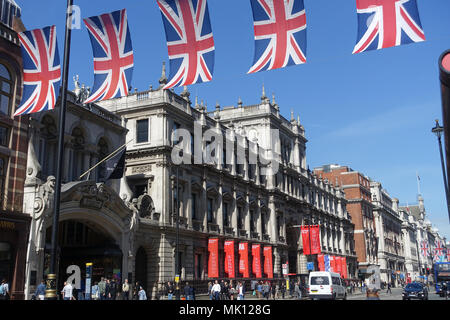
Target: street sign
{"x": 285, "y": 269}
{"x": 310, "y": 266}
{"x": 177, "y": 278}
{"x": 88, "y": 281}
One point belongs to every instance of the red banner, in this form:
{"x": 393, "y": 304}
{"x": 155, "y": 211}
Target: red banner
{"x": 229, "y": 258}
{"x": 311, "y": 239}
{"x": 213, "y": 261}
{"x": 256, "y": 265}
{"x": 305, "y": 240}
{"x": 315, "y": 239}
{"x": 332, "y": 264}
{"x": 321, "y": 260}
{"x": 243, "y": 260}
{"x": 338, "y": 264}
{"x": 344, "y": 267}
{"x": 268, "y": 265}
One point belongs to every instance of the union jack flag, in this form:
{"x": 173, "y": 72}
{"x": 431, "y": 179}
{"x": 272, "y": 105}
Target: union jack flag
{"x": 41, "y": 70}
{"x": 439, "y": 249}
{"x": 387, "y": 23}
{"x": 113, "y": 55}
{"x": 280, "y": 34}
{"x": 424, "y": 247}
{"x": 190, "y": 41}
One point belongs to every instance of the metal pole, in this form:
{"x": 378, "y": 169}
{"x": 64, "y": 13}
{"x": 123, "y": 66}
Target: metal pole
{"x": 444, "y": 175}
{"x": 177, "y": 248}
{"x": 50, "y": 293}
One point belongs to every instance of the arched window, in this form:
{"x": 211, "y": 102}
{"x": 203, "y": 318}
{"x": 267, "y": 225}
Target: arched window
{"x": 78, "y": 153}
{"x": 48, "y": 145}
{"x": 103, "y": 151}
{"x": 6, "y": 89}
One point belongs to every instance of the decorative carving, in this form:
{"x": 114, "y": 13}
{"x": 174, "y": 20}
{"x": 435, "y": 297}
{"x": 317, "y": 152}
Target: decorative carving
{"x": 145, "y": 206}
{"x": 142, "y": 169}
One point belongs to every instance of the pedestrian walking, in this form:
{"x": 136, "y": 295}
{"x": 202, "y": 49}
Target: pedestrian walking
{"x": 216, "y": 290}
{"x": 283, "y": 290}
{"x": 240, "y": 291}
{"x": 222, "y": 284}
{"x": 232, "y": 291}
{"x": 389, "y": 288}
{"x": 126, "y": 290}
{"x": 187, "y": 291}
{"x": 259, "y": 289}
{"x": 298, "y": 290}
{"x": 136, "y": 289}
{"x": 141, "y": 294}
{"x": 170, "y": 290}
{"x": 67, "y": 291}
{"x": 210, "y": 285}
{"x": 226, "y": 291}
{"x": 40, "y": 291}
{"x": 4, "y": 290}
{"x": 192, "y": 292}
{"x": 102, "y": 288}
{"x": 95, "y": 295}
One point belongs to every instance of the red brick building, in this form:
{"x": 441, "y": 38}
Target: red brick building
{"x": 14, "y": 225}
{"x": 357, "y": 191}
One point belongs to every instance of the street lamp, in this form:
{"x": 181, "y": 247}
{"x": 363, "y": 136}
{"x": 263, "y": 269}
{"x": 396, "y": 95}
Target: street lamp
{"x": 438, "y": 130}
{"x": 176, "y": 215}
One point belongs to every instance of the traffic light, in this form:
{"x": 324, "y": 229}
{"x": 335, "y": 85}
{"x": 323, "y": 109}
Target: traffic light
{"x": 428, "y": 271}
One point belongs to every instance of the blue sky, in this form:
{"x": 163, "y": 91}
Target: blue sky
{"x": 372, "y": 111}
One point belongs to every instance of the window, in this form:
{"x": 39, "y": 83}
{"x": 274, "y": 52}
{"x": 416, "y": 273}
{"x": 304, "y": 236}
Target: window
{"x": 194, "y": 205}
{"x": 6, "y": 85}
{"x": 239, "y": 222}
{"x": 142, "y": 131}
{"x": 176, "y": 126}
{"x": 210, "y": 211}
{"x": 78, "y": 154}
{"x": 225, "y": 215}
{"x": 3, "y": 164}
{"x": 4, "y": 136}
{"x": 252, "y": 220}
{"x": 102, "y": 149}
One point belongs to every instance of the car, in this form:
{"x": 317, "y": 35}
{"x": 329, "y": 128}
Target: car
{"x": 326, "y": 285}
{"x": 415, "y": 290}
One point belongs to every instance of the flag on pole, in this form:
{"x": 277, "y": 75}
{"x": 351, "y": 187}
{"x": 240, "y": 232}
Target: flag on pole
{"x": 280, "y": 34}
{"x": 387, "y": 23}
{"x": 42, "y": 70}
{"x": 115, "y": 166}
{"x": 190, "y": 41}
{"x": 424, "y": 247}
{"x": 113, "y": 55}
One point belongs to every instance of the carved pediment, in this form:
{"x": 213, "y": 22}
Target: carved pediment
{"x": 196, "y": 186}
{"x": 227, "y": 196}
{"x": 212, "y": 191}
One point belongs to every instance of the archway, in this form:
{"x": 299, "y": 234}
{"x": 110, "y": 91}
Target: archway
{"x": 141, "y": 267}
{"x": 82, "y": 242}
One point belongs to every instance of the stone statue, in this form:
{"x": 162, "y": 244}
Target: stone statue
{"x": 77, "y": 90}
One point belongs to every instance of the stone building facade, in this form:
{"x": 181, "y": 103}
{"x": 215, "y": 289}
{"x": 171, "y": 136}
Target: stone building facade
{"x": 392, "y": 242}
{"x": 263, "y": 202}
{"x": 357, "y": 192}
{"x": 14, "y": 225}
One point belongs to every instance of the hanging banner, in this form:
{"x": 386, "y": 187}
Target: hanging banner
{"x": 268, "y": 265}
{"x": 113, "y": 55}
{"x": 315, "y": 239}
{"x": 387, "y": 23}
{"x": 338, "y": 264}
{"x": 190, "y": 41}
{"x": 256, "y": 265}
{"x": 213, "y": 262}
{"x": 229, "y": 258}
{"x": 327, "y": 263}
{"x": 243, "y": 260}
{"x": 321, "y": 260}
{"x": 280, "y": 34}
{"x": 344, "y": 267}
{"x": 305, "y": 240}
{"x": 41, "y": 70}
{"x": 332, "y": 264}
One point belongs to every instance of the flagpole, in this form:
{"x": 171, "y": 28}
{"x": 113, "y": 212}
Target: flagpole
{"x": 106, "y": 158}
{"x": 51, "y": 286}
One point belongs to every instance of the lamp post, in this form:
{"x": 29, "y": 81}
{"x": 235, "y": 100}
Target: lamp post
{"x": 175, "y": 206}
{"x": 51, "y": 286}
{"x": 438, "y": 130}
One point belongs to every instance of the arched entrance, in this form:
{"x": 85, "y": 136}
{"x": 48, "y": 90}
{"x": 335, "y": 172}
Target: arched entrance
{"x": 82, "y": 242}
{"x": 141, "y": 267}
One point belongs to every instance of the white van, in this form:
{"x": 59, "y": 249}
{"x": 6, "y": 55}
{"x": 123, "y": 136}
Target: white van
{"x": 326, "y": 285}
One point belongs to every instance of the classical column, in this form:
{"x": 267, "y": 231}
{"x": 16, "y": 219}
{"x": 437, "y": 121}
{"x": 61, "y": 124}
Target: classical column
{"x": 233, "y": 212}
{"x": 220, "y": 208}
{"x": 189, "y": 201}
{"x": 247, "y": 213}
{"x": 272, "y": 220}
{"x": 204, "y": 204}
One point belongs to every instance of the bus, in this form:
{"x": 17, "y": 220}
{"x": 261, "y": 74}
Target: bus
{"x": 441, "y": 274}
